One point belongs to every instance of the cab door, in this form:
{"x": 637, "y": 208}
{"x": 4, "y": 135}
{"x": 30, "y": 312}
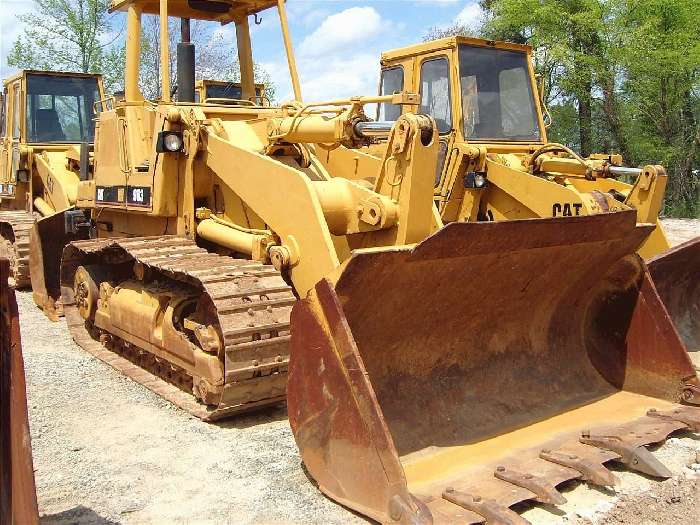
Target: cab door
{"x": 435, "y": 89}
{"x": 11, "y": 140}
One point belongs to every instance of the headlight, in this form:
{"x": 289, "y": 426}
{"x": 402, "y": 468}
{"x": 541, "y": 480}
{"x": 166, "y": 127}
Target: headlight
{"x": 169, "y": 141}
{"x": 473, "y": 180}
{"x": 172, "y": 142}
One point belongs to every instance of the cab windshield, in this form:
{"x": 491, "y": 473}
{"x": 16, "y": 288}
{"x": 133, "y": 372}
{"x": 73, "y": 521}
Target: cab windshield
{"x": 498, "y": 102}
{"x": 61, "y": 109}
{"x": 229, "y": 90}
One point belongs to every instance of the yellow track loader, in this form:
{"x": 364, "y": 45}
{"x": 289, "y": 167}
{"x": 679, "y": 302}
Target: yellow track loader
{"x": 496, "y": 163}
{"x": 228, "y": 267}
{"x": 47, "y": 133}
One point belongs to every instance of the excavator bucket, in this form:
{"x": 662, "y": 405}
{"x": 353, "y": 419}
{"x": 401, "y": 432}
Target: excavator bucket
{"x": 48, "y": 238}
{"x": 18, "y": 495}
{"x": 676, "y": 275}
{"x": 447, "y": 382}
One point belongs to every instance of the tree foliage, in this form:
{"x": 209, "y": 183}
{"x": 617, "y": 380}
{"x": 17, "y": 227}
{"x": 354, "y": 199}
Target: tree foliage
{"x": 64, "y": 35}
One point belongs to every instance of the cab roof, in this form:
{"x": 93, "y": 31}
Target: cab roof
{"x": 223, "y": 11}
{"x": 449, "y": 43}
{"x": 24, "y": 72}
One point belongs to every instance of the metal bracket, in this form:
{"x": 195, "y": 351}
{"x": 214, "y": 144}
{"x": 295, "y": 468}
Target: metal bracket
{"x": 537, "y": 485}
{"x": 636, "y": 458}
{"x": 488, "y": 508}
{"x": 591, "y": 471}
{"x": 686, "y": 415}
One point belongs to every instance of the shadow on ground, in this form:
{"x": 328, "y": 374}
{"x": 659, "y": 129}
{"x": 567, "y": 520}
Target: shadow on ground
{"x": 76, "y": 516}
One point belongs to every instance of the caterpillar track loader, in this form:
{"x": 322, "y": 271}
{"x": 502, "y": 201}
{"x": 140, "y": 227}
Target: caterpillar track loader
{"x": 47, "y": 124}
{"x": 227, "y": 263}
{"x": 496, "y": 163}
{"x": 18, "y": 503}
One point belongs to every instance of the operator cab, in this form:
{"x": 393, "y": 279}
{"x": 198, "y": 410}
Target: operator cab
{"x": 497, "y": 93}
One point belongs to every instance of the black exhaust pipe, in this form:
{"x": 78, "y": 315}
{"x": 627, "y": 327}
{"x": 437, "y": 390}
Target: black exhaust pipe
{"x": 185, "y": 64}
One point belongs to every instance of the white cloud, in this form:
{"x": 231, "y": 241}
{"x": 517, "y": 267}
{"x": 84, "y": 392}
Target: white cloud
{"x": 471, "y": 16}
{"x": 347, "y": 28}
{"x": 339, "y": 58}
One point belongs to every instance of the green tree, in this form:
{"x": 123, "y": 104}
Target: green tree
{"x": 660, "y": 91}
{"x": 66, "y": 35}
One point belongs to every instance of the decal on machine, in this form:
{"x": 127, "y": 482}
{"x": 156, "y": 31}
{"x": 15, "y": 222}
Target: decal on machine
{"x": 7, "y": 189}
{"x": 138, "y": 195}
{"x": 109, "y": 194}
{"x": 131, "y": 195}
{"x": 566, "y": 209}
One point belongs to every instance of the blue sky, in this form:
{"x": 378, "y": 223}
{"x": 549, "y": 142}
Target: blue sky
{"x": 337, "y": 42}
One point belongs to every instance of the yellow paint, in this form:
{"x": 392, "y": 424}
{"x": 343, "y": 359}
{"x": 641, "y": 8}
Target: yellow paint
{"x": 164, "y": 52}
{"x": 435, "y": 465}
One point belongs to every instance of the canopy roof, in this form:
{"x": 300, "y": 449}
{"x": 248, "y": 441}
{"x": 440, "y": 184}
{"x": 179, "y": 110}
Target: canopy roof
{"x": 448, "y": 43}
{"x": 223, "y": 11}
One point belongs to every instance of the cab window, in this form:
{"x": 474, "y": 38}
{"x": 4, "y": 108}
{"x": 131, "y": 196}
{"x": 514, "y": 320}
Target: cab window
{"x": 60, "y": 109}
{"x": 392, "y": 82}
{"x": 435, "y": 92}
{"x": 498, "y": 102}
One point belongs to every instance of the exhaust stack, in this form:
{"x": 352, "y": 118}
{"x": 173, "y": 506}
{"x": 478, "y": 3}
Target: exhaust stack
{"x": 185, "y": 64}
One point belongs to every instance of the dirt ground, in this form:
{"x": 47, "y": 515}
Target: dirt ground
{"x": 681, "y": 230}
{"x": 106, "y": 450}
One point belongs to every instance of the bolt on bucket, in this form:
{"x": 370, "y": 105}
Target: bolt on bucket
{"x": 424, "y": 384}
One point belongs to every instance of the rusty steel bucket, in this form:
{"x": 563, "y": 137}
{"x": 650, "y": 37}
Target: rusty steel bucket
{"x": 676, "y": 275}
{"x": 18, "y": 494}
{"x": 425, "y": 382}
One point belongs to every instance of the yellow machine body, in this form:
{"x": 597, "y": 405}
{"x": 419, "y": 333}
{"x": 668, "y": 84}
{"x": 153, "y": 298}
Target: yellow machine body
{"x": 48, "y": 118}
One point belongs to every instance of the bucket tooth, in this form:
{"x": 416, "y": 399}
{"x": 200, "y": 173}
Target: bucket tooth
{"x": 687, "y": 415}
{"x": 635, "y": 457}
{"x": 493, "y": 512}
{"x": 536, "y": 484}
{"x": 592, "y": 472}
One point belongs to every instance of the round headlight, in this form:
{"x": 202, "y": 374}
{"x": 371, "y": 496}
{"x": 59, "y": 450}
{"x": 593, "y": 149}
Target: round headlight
{"x": 172, "y": 142}
{"x": 479, "y": 180}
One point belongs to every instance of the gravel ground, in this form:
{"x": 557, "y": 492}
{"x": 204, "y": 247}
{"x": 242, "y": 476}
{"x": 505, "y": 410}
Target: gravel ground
{"x": 107, "y": 450}
{"x": 681, "y": 230}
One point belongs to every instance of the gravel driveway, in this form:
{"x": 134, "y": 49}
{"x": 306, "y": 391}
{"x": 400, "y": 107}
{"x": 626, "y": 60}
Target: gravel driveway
{"x": 106, "y": 450}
